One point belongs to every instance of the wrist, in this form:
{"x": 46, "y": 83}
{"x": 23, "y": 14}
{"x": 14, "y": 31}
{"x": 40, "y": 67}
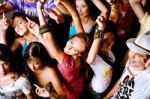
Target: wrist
{"x": 98, "y": 34}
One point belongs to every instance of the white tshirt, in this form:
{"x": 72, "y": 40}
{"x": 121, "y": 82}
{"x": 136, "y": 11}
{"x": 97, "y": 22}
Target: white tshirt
{"x": 142, "y": 86}
{"x": 17, "y": 90}
{"x": 134, "y": 85}
{"x": 102, "y": 74}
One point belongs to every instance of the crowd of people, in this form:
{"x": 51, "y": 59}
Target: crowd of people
{"x": 75, "y": 49}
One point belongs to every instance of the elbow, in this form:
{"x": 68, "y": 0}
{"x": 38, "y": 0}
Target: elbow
{"x": 90, "y": 61}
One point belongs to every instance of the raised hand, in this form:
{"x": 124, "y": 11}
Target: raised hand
{"x": 101, "y": 22}
{"x": 32, "y": 26}
{"x": 52, "y": 14}
{"x": 4, "y": 24}
{"x": 111, "y": 1}
{"x": 2, "y": 7}
{"x": 40, "y": 3}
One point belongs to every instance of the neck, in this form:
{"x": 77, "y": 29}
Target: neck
{"x": 29, "y": 37}
{"x": 139, "y": 68}
{"x": 85, "y": 19}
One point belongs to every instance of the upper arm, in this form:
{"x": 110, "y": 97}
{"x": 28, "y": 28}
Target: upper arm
{"x": 93, "y": 51}
{"x": 15, "y": 45}
{"x": 57, "y": 84}
{"x": 137, "y": 7}
{"x": 52, "y": 48}
{"x": 75, "y": 16}
{"x": 99, "y": 4}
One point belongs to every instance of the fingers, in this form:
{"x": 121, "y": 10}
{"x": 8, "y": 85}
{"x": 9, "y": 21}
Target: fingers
{"x": 4, "y": 17}
{"x": 28, "y": 19}
{"x": 101, "y": 18}
{"x": 101, "y": 22}
{"x": 38, "y": 89}
{"x": 36, "y": 85}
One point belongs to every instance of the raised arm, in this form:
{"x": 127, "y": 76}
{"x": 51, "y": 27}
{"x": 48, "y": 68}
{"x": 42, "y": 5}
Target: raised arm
{"x": 99, "y": 4}
{"x": 3, "y": 27}
{"x": 97, "y": 38}
{"x": 5, "y": 7}
{"x": 50, "y": 44}
{"x": 138, "y": 7}
{"x": 75, "y": 16}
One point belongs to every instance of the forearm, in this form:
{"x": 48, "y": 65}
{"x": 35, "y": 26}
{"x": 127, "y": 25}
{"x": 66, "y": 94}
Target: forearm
{"x": 101, "y": 7}
{"x": 137, "y": 7}
{"x": 113, "y": 90}
{"x": 75, "y": 16}
{"x": 3, "y": 38}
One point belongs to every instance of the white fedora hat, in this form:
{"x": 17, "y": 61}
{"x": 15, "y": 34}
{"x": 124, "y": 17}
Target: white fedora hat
{"x": 141, "y": 44}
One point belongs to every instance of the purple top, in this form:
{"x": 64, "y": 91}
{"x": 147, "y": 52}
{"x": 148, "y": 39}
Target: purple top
{"x": 30, "y": 8}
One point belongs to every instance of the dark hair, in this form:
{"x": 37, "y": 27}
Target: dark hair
{"x": 23, "y": 16}
{"x": 7, "y": 56}
{"x": 93, "y": 11}
{"x": 36, "y": 50}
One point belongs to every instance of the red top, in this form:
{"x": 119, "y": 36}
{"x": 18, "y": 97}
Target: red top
{"x": 73, "y": 79}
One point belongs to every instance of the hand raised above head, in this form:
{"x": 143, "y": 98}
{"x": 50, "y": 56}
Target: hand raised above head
{"x": 32, "y": 26}
{"x": 2, "y": 7}
{"x": 52, "y": 14}
{"x": 4, "y": 23}
{"x": 101, "y": 22}
{"x": 40, "y": 3}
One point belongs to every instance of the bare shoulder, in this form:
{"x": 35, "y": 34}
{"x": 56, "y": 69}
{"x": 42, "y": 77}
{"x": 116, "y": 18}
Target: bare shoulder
{"x": 20, "y": 40}
{"x": 51, "y": 71}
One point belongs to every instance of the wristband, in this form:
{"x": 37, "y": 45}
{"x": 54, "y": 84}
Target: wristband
{"x": 98, "y": 34}
{"x": 44, "y": 29}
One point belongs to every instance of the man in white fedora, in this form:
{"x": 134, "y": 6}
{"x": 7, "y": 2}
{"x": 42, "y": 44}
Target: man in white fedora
{"x": 135, "y": 80}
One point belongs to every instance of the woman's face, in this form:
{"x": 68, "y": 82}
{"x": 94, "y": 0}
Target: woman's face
{"x": 4, "y": 68}
{"x": 82, "y": 8}
{"x": 107, "y": 42}
{"x": 74, "y": 46}
{"x": 35, "y": 64}
{"x": 19, "y": 25}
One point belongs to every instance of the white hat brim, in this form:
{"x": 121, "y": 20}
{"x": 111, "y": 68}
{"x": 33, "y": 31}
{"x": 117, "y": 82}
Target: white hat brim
{"x": 133, "y": 47}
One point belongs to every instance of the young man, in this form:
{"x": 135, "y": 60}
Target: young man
{"x": 134, "y": 82}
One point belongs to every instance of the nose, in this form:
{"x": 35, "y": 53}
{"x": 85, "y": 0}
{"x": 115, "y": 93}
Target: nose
{"x": 79, "y": 9}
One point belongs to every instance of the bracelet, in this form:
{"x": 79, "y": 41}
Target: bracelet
{"x": 44, "y": 29}
{"x": 98, "y": 34}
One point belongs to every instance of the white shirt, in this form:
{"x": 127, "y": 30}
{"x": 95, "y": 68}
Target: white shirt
{"x": 102, "y": 74}
{"x": 17, "y": 90}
